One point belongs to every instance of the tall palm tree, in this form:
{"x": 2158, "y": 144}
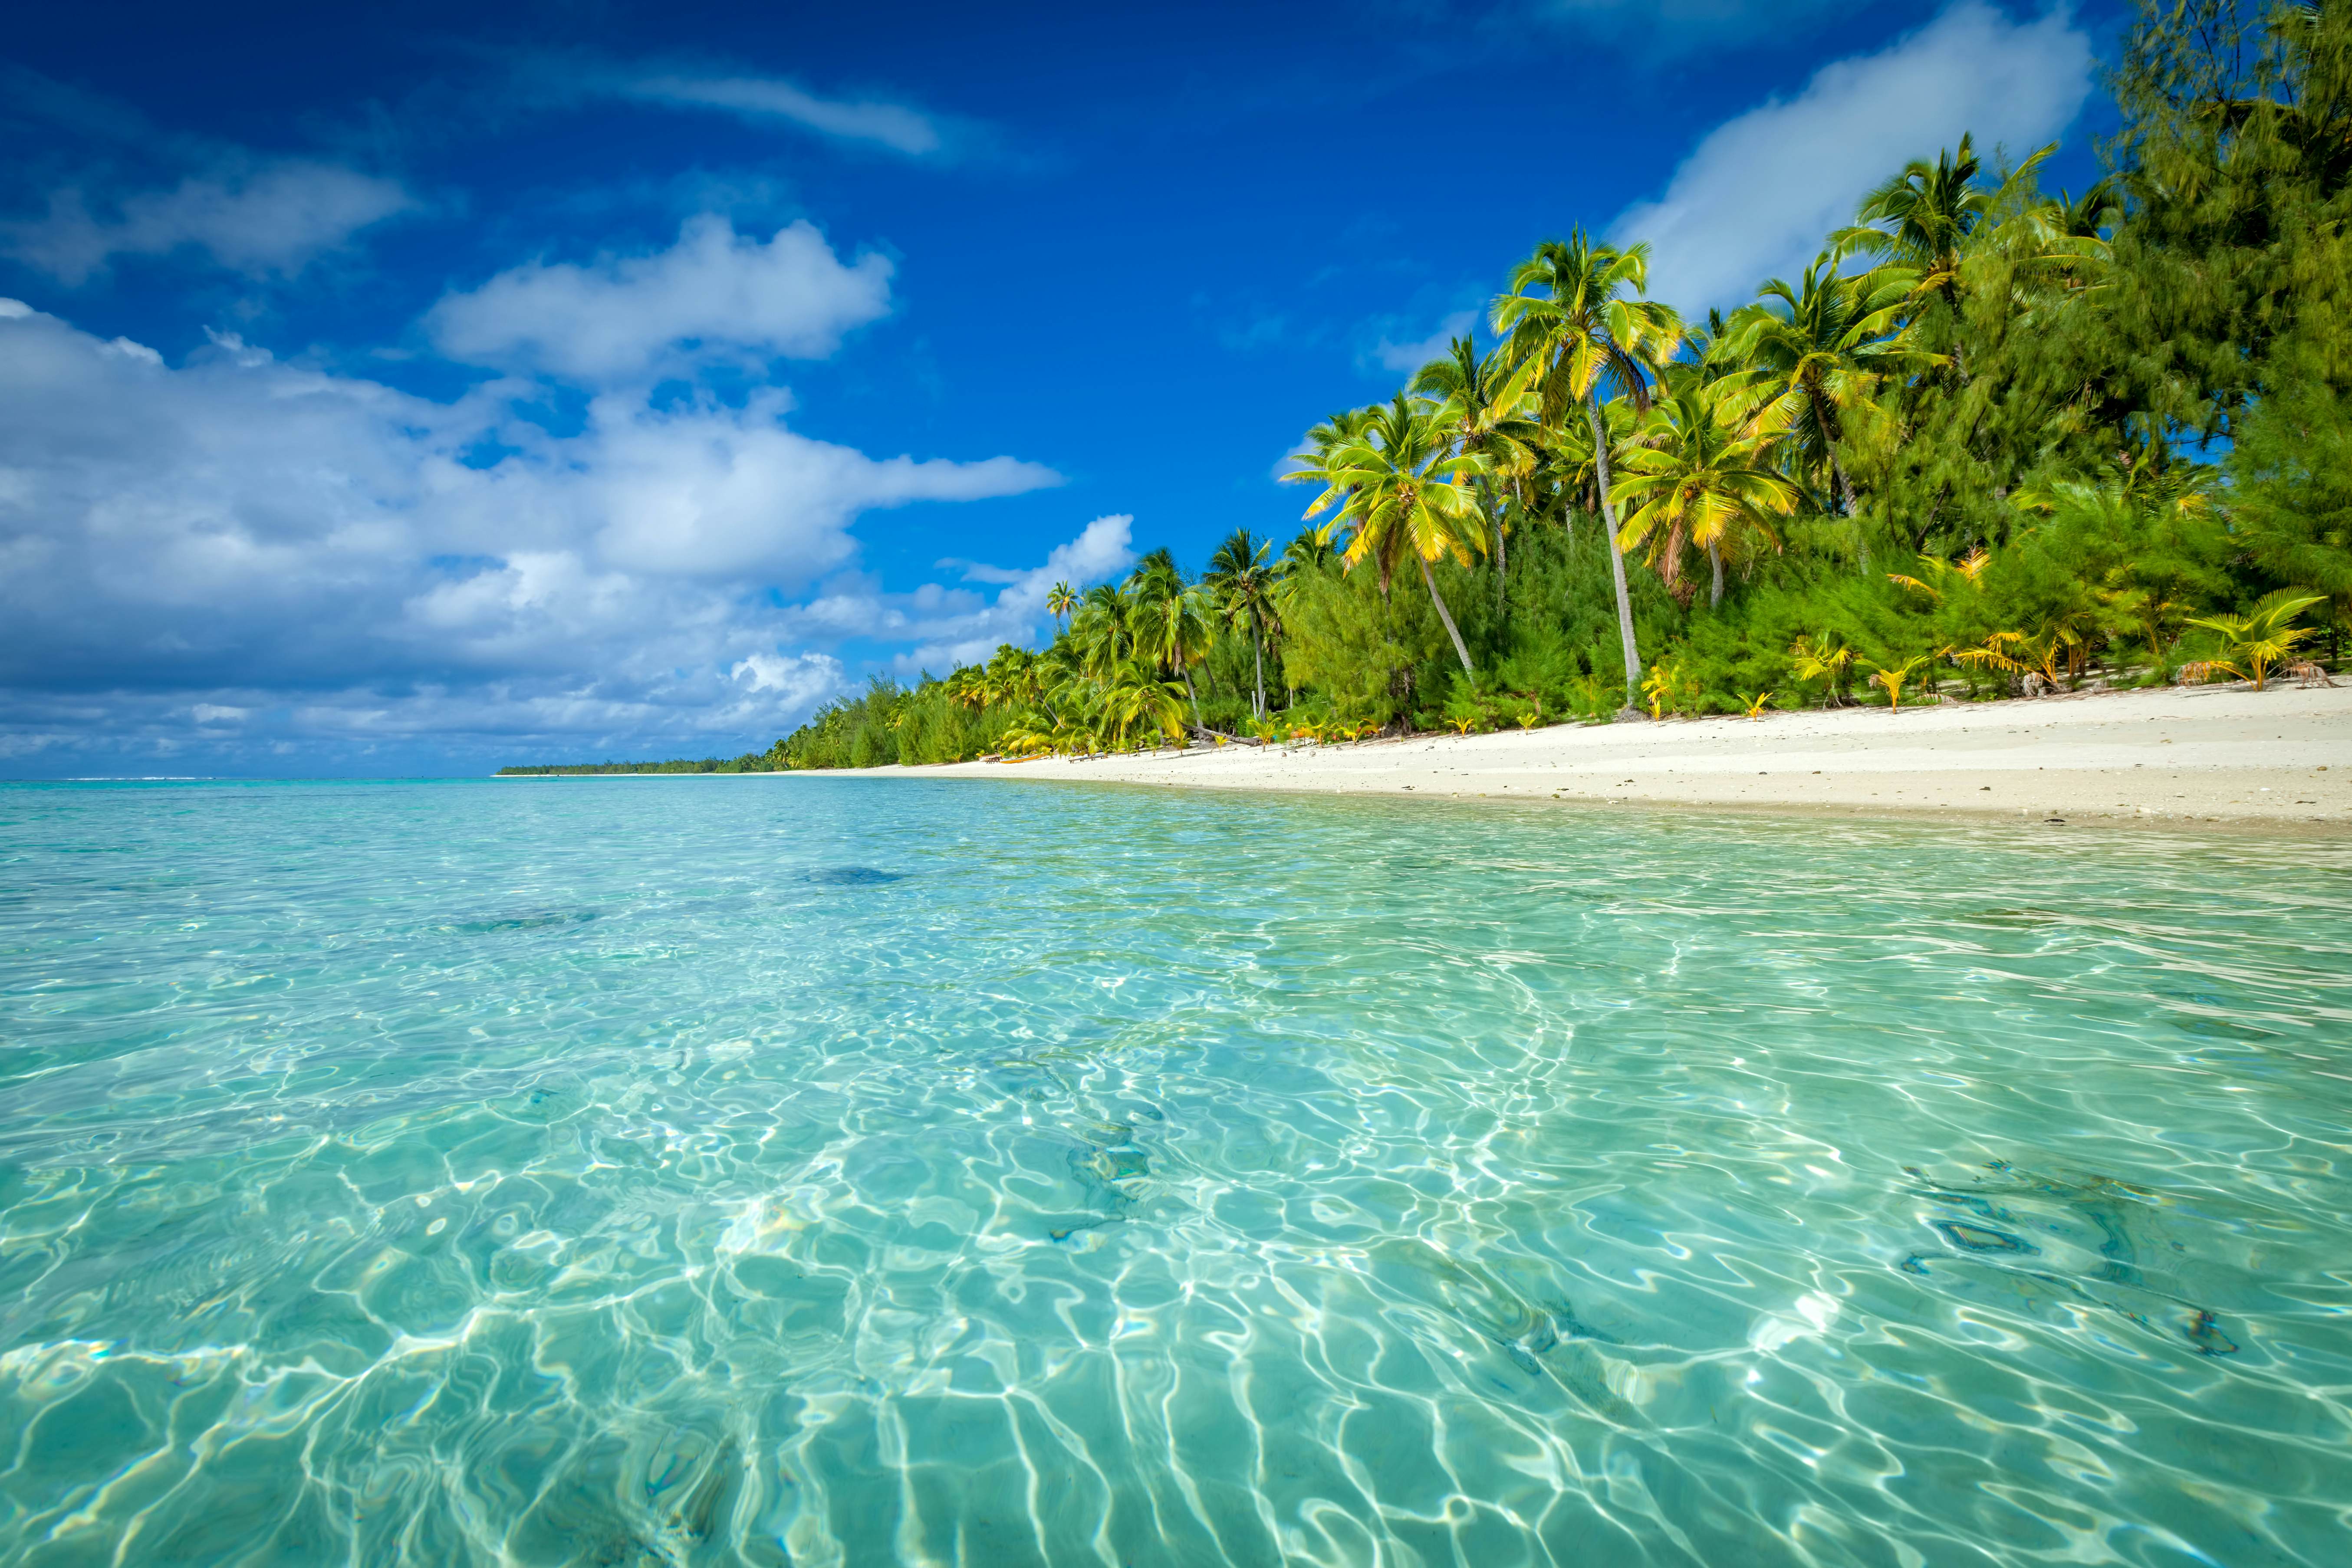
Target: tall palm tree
{"x": 1173, "y": 626}
{"x": 1828, "y": 345}
{"x": 1695, "y": 476}
{"x": 1486, "y": 405}
{"x": 1923, "y": 216}
{"x": 1242, "y": 579}
{"x": 1059, "y": 602}
{"x": 1574, "y": 308}
{"x": 1401, "y": 487}
{"x": 1102, "y": 630}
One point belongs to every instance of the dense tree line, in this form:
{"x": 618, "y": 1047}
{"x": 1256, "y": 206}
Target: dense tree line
{"x": 1995, "y": 440}
{"x": 767, "y": 761}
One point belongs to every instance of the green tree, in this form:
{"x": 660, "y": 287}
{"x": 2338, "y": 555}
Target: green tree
{"x": 1242, "y": 582}
{"x": 1401, "y": 490}
{"x": 1693, "y": 479}
{"x": 1484, "y": 403}
{"x": 1573, "y": 310}
{"x": 1827, "y": 345}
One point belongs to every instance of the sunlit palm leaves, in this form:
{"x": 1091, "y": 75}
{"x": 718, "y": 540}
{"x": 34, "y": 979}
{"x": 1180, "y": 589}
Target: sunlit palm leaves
{"x": 1574, "y": 309}
{"x": 1825, "y": 347}
{"x": 1694, "y": 480}
{"x": 1402, "y": 490}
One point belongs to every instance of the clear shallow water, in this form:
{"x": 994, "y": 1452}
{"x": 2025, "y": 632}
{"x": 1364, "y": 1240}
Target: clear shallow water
{"x": 844, "y": 1172}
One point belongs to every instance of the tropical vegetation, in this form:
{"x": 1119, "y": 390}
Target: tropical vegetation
{"x": 1997, "y": 440}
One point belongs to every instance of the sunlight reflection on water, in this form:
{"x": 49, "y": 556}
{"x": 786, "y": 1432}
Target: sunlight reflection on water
{"x": 841, "y": 1171}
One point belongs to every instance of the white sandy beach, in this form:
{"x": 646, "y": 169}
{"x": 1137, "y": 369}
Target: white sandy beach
{"x": 2280, "y": 758}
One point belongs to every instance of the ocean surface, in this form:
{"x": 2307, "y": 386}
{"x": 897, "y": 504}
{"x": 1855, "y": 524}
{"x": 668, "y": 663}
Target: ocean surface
{"x": 852, "y": 1171}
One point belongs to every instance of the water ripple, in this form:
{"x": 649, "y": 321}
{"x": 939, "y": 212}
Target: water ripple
{"x": 611, "y": 1173}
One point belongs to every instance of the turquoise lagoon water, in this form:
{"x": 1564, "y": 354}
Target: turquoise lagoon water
{"x": 827, "y": 1171}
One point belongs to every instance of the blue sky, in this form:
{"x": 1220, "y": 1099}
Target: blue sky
{"x": 391, "y": 391}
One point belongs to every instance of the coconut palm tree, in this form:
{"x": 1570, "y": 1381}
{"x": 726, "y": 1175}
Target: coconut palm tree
{"x": 1402, "y": 489}
{"x": 1102, "y": 630}
{"x": 1242, "y": 581}
{"x": 1923, "y": 216}
{"x": 1825, "y": 347}
{"x": 1172, "y": 620}
{"x": 1486, "y": 405}
{"x": 1573, "y": 308}
{"x": 2250, "y": 644}
{"x": 1692, "y": 477}
{"x": 1059, "y": 602}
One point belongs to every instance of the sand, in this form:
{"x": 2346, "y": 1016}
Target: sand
{"x": 2279, "y": 759}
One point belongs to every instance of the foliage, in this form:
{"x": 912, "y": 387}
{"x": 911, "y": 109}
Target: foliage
{"x": 1995, "y": 440}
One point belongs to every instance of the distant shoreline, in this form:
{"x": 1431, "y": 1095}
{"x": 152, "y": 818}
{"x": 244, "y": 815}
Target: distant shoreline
{"x": 2279, "y": 760}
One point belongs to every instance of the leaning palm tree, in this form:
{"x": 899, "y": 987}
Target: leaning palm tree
{"x": 1401, "y": 487}
{"x": 1242, "y": 581}
{"x": 1573, "y": 309}
{"x": 1827, "y": 345}
{"x": 1487, "y": 405}
{"x": 1695, "y": 478}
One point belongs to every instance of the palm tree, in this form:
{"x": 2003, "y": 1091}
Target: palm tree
{"x": 1923, "y": 216}
{"x": 2250, "y": 644}
{"x": 1135, "y": 696}
{"x": 1571, "y": 309}
{"x": 1102, "y": 630}
{"x": 1401, "y": 487}
{"x": 1173, "y": 626}
{"x": 1059, "y": 602}
{"x": 1827, "y": 344}
{"x": 1692, "y": 477}
{"x": 1243, "y": 581}
{"x": 1484, "y": 405}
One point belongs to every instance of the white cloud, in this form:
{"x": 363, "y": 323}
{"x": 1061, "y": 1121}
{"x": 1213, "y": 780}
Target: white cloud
{"x": 256, "y": 217}
{"x": 890, "y": 125}
{"x": 952, "y": 625}
{"x": 627, "y": 319}
{"x": 268, "y": 550}
{"x": 1758, "y": 194}
{"x": 1406, "y": 358}
{"x": 803, "y": 678}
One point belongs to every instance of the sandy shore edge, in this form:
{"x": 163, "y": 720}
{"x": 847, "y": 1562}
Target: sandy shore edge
{"x": 2279, "y": 760}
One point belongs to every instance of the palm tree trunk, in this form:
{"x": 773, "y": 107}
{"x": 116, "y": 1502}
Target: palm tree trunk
{"x": 1714, "y": 559}
{"x": 1257, "y": 655}
{"x": 1186, "y": 671}
{"x": 1444, "y": 614}
{"x": 1502, "y": 550}
{"x": 1616, "y": 556}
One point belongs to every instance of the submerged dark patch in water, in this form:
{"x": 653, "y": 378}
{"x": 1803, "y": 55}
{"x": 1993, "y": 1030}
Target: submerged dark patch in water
{"x": 1977, "y": 1238}
{"x": 539, "y": 921}
{"x": 2091, "y": 1258}
{"x": 852, "y": 877}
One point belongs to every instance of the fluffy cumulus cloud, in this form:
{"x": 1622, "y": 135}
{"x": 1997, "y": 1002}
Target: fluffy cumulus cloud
{"x": 196, "y": 556}
{"x": 260, "y": 218}
{"x": 1755, "y": 196}
{"x": 623, "y": 319}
